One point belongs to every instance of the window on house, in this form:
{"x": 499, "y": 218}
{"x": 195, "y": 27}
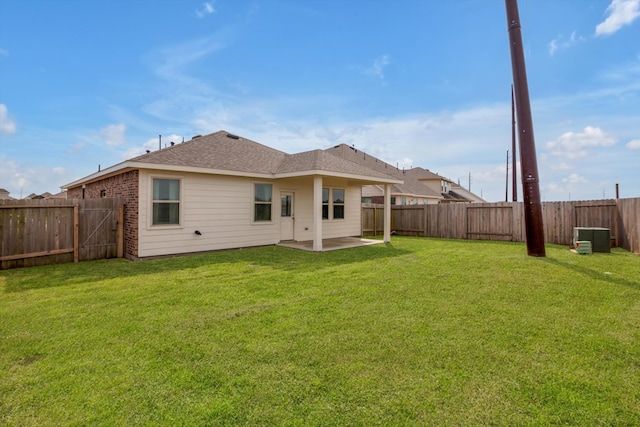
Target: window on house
{"x": 325, "y": 203}
{"x": 403, "y": 200}
{"x": 103, "y": 193}
{"x": 393, "y": 200}
{"x": 166, "y": 201}
{"x": 286, "y": 205}
{"x": 262, "y": 202}
{"x": 338, "y": 203}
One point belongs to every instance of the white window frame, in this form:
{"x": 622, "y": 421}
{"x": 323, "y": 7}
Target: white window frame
{"x": 253, "y": 203}
{"x": 330, "y": 203}
{"x": 152, "y": 202}
{"x": 343, "y": 204}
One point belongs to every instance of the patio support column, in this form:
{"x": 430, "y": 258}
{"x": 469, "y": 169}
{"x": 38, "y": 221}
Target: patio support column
{"x": 387, "y": 213}
{"x": 317, "y": 213}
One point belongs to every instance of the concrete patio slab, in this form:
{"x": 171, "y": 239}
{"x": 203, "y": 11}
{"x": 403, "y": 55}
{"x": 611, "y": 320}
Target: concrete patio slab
{"x": 331, "y": 244}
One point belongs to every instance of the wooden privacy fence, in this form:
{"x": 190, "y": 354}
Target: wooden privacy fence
{"x": 40, "y": 232}
{"x": 505, "y": 221}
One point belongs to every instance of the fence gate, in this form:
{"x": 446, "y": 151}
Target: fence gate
{"x": 490, "y": 223}
{"x": 98, "y": 230}
{"x": 41, "y": 232}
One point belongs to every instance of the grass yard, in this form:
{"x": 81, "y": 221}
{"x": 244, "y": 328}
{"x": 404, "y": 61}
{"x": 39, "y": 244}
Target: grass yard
{"x": 417, "y": 332}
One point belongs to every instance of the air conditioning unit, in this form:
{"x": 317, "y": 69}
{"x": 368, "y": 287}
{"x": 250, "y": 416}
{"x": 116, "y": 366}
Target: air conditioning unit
{"x": 600, "y": 238}
{"x": 583, "y": 247}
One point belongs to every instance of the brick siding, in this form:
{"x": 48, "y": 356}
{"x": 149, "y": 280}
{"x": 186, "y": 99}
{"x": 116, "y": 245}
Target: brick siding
{"x": 123, "y": 186}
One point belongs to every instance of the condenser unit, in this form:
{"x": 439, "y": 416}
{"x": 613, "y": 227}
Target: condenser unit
{"x": 600, "y": 238}
{"x": 583, "y": 247}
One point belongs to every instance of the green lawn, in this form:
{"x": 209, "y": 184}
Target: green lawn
{"x": 417, "y": 332}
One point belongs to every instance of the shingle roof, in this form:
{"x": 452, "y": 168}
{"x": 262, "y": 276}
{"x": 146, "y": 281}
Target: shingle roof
{"x": 415, "y": 187}
{"x": 322, "y": 160}
{"x": 4, "y": 195}
{"x": 219, "y": 150}
{"x": 224, "y": 151}
{"x": 421, "y": 173}
{"x": 360, "y": 157}
{"x": 411, "y": 184}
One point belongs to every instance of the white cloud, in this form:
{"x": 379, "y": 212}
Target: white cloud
{"x": 59, "y": 171}
{"x": 574, "y": 178}
{"x": 561, "y": 166}
{"x": 207, "y": 9}
{"x": 633, "y": 145}
{"x": 7, "y": 124}
{"x": 113, "y": 134}
{"x": 561, "y": 43}
{"x": 569, "y": 187}
{"x": 22, "y": 178}
{"x": 572, "y": 145}
{"x": 404, "y": 163}
{"x": 553, "y": 46}
{"x": 4, "y": 52}
{"x": 152, "y": 144}
{"x": 76, "y": 147}
{"x": 621, "y": 13}
{"x": 377, "y": 69}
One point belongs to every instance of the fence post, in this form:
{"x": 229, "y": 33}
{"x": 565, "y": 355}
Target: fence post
{"x": 76, "y": 244}
{"x": 425, "y": 221}
{"x": 616, "y": 218}
{"x": 120, "y": 232}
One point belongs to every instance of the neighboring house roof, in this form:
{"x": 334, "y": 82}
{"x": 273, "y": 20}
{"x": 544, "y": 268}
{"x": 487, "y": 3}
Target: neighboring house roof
{"x": 47, "y": 195}
{"x": 4, "y": 195}
{"x": 60, "y": 195}
{"x": 224, "y": 153}
{"x": 457, "y": 192}
{"x": 413, "y": 186}
{"x": 424, "y": 174}
{"x": 467, "y": 194}
{"x": 453, "y": 196}
{"x": 410, "y": 185}
{"x": 414, "y": 179}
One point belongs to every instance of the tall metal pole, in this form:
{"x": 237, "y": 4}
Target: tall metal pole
{"x": 514, "y": 183}
{"x": 506, "y": 187}
{"x": 528, "y": 162}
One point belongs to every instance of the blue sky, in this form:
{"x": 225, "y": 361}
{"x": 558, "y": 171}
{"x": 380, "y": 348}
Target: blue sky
{"x": 413, "y": 82}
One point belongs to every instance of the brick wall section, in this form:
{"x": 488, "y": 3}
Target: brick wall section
{"x": 123, "y": 186}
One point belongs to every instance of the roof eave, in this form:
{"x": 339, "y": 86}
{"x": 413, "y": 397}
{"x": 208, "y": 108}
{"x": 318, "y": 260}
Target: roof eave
{"x": 364, "y": 178}
{"x": 119, "y": 168}
{"x": 104, "y": 173}
{"x": 128, "y": 165}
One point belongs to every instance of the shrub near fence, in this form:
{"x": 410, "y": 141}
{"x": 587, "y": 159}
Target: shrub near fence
{"x": 505, "y": 221}
{"x": 40, "y": 232}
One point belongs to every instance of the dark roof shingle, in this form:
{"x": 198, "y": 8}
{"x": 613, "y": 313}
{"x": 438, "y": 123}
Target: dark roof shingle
{"x": 218, "y": 151}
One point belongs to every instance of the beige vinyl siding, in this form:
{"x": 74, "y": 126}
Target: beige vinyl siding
{"x": 350, "y": 225}
{"x": 303, "y": 189}
{"x": 218, "y": 206}
{"x": 303, "y": 206}
{"x": 221, "y": 208}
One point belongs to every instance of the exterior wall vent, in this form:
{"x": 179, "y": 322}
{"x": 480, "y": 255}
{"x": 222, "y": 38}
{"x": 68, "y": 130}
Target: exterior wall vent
{"x": 232, "y": 136}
